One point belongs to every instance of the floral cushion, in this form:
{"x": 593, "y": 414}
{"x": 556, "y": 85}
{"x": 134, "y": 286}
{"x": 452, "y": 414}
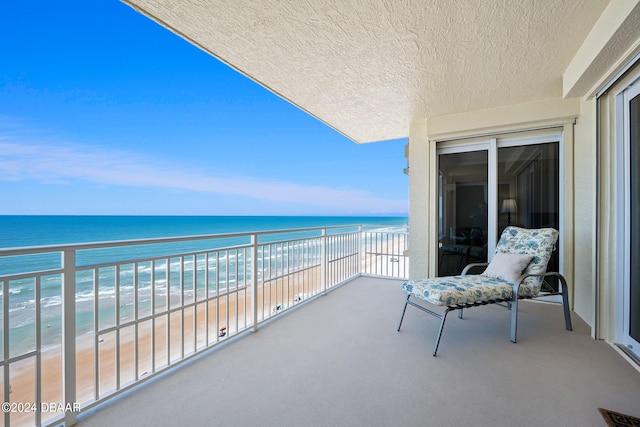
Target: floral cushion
{"x": 537, "y": 242}
{"x": 455, "y": 290}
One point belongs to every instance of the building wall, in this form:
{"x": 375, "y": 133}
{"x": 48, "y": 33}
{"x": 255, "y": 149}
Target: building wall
{"x": 419, "y": 200}
{"x": 606, "y": 221}
{"x": 585, "y": 211}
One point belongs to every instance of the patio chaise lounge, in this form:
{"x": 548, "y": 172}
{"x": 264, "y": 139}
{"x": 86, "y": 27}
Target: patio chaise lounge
{"x": 518, "y": 268}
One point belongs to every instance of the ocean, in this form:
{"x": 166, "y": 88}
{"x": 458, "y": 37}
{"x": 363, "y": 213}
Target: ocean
{"x": 18, "y": 231}
{"x": 28, "y": 231}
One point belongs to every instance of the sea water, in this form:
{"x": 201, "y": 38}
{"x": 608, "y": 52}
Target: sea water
{"x": 28, "y": 231}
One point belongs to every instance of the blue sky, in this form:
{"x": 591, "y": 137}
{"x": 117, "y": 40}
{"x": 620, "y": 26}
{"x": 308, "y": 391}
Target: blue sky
{"x": 103, "y": 111}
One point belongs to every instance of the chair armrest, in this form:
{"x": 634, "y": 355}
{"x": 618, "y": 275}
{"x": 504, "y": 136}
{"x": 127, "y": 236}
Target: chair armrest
{"x": 548, "y": 273}
{"x": 560, "y": 277}
{"x": 473, "y": 265}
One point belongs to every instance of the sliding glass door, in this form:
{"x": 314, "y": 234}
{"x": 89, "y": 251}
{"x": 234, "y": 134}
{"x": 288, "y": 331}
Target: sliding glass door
{"x": 528, "y": 190}
{"x": 463, "y": 211}
{"x": 483, "y": 187}
{"x": 631, "y": 283}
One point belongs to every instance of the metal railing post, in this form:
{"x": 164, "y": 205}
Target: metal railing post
{"x": 254, "y": 275}
{"x": 360, "y": 252}
{"x": 323, "y": 261}
{"x": 6, "y": 349}
{"x": 69, "y": 334}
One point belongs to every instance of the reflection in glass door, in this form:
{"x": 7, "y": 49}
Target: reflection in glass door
{"x": 462, "y": 210}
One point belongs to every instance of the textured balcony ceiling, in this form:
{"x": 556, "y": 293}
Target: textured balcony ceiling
{"x": 371, "y": 68}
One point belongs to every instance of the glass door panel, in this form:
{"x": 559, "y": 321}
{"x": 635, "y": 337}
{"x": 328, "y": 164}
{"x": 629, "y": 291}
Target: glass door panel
{"x": 462, "y": 210}
{"x": 528, "y": 190}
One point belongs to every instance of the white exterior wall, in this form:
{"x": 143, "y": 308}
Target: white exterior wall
{"x": 419, "y": 201}
{"x": 585, "y": 212}
{"x": 606, "y": 222}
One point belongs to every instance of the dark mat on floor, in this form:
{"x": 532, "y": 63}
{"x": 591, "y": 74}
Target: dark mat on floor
{"x": 616, "y": 419}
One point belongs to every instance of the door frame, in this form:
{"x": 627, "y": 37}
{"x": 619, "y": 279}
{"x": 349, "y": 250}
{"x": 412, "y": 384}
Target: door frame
{"x": 492, "y": 143}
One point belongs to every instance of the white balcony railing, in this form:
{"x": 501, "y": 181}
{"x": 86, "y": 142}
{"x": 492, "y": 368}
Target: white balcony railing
{"x": 82, "y": 323}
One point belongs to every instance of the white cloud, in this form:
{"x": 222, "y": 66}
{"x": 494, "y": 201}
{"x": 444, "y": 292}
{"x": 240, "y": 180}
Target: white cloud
{"x": 28, "y": 158}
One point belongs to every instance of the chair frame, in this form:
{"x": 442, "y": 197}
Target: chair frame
{"x": 512, "y": 303}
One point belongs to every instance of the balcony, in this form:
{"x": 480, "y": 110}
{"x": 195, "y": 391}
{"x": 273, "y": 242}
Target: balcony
{"x": 81, "y": 324}
{"x": 316, "y": 346}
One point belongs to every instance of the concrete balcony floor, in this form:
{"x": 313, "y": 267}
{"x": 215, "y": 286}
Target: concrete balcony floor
{"x": 338, "y": 361}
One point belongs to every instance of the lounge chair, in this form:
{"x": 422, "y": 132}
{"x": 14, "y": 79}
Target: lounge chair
{"x": 518, "y": 268}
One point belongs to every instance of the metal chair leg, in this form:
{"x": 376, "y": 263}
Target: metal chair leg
{"x": 444, "y": 317}
{"x": 514, "y": 318}
{"x": 565, "y": 303}
{"x": 403, "y": 311}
